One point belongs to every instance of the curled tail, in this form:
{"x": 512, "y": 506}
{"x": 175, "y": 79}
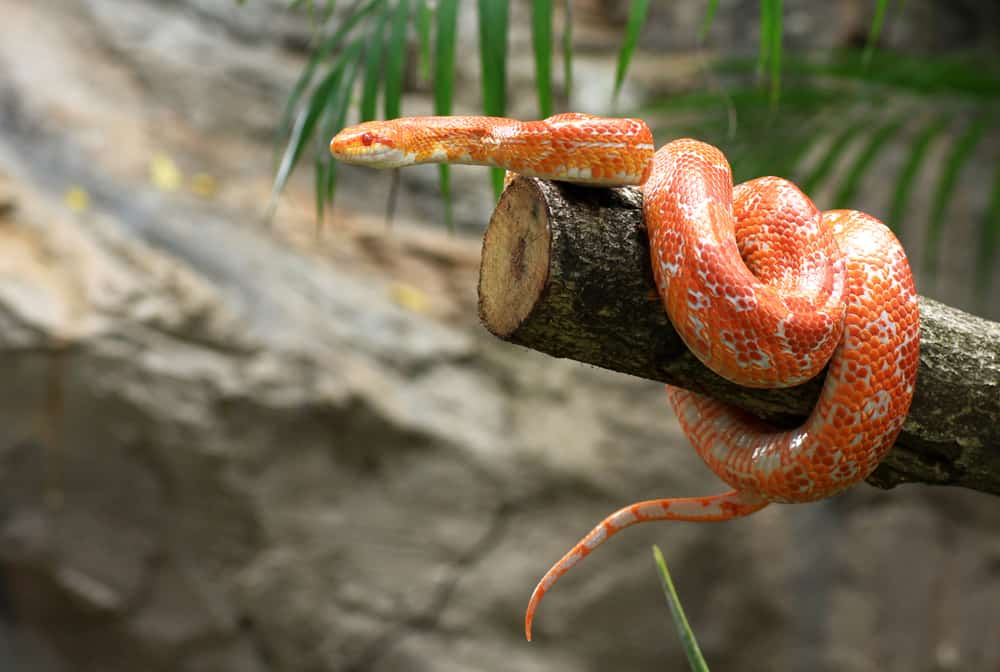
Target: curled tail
{"x": 716, "y": 508}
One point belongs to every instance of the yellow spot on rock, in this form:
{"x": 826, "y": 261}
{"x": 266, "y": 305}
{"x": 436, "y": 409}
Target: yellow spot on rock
{"x": 204, "y": 185}
{"x": 409, "y": 297}
{"x": 77, "y": 199}
{"x": 164, "y": 173}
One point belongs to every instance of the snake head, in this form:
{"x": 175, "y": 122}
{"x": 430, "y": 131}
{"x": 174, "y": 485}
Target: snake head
{"x": 372, "y": 143}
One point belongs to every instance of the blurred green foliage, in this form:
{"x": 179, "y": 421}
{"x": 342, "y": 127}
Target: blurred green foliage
{"x": 827, "y": 121}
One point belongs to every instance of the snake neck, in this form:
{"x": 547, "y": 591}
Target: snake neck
{"x": 570, "y": 147}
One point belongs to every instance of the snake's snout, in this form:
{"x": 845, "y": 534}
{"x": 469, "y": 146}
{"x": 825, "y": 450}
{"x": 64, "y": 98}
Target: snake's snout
{"x": 367, "y": 145}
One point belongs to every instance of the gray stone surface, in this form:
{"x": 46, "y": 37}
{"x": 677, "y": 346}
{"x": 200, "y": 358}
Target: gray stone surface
{"x": 228, "y": 447}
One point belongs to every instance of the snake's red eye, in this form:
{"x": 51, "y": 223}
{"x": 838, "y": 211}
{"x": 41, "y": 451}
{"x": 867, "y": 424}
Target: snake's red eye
{"x": 367, "y": 139}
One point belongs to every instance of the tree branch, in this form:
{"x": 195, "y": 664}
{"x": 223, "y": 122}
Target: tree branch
{"x": 566, "y": 271}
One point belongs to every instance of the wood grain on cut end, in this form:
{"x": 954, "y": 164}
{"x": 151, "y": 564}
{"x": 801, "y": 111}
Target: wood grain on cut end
{"x": 515, "y": 264}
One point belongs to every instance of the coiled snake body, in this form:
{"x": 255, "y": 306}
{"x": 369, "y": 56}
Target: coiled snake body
{"x": 764, "y": 289}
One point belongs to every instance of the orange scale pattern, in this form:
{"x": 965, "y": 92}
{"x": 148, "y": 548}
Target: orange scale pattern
{"x": 766, "y": 290}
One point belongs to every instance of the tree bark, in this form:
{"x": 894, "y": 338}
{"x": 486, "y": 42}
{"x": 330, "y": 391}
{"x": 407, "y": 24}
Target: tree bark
{"x": 566, "y": 271}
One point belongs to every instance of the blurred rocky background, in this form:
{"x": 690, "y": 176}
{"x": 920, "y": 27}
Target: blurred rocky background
{"x": 232, "y": 445}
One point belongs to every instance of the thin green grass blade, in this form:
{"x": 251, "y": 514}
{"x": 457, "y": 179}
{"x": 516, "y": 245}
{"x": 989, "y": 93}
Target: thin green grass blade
{"x": 829, "y": 160}
{"x": 567, "y": 48}
{"x": 424, "y": 19}
{"x": 691, "y": 649}
{"x": 876, "y": 29}
{"x": 395, "y": 59}
{"x": 541, "y": 41}
{"x": 774, "y": 49}
{"x": 636, "y": 20}
{"x": 960, "y": 153}
{"x": 706, "y": 23}
{"x": 769, "y": 51}
{"x": 908, "y": 173}
{"x": 876, "y": 142}
{"x": 287, "y": 161}
{"x": 764, "y": 47}
{"x": 989, "y": 235}
{"x": 373, "y": 66}
{"x": 493, "y": 62}
{"x": 446, "y": 27}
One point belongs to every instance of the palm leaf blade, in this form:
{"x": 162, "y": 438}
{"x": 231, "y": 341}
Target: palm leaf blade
{"x": 876, "y": 29}
{"x": 961, "y": 152}
{"x": 395, "y": 60}
{"x": 907, "y": 175}
{"x": 373, "y": 67}
{"x": 446, "y": 27}
{"x": 636, "y": 19}
{"x": 335, "y": 122}
{"x": 878, "y": 140}
{"x": 988, "y": 238}
{"x": 826, "y": 164}
{"x": 541, "y": 39}
{"x": 567, "y": 47}
{"x": 321, "y": 52}
{"x": 706, "y": 23}
{"x": 493, "y": 63}
{"x": 424, "y": 16}
{"x": 305, "y": 124}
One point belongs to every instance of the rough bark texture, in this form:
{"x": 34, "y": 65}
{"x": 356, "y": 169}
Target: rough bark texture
{"x": 591, "y": 297}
